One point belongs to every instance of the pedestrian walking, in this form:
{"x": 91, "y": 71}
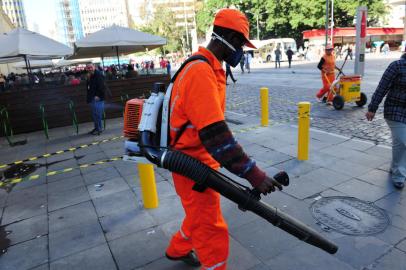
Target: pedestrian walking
{"x": 198, "y": 128}
{"x": 289, "y": 54}
{"x": 168, "y": 67}
{"x": 248, "y": 58}
{"x": 242, "y": 61}
{"x": 229, "y": 73}
{"x": 278, "y": 55}
{"x": 385, "y": 49}
{"x": 95, "y": 97}
{"x": 349, "y": 51}
{"x": 327, "y": 66}
{"x": 393, "y": 86}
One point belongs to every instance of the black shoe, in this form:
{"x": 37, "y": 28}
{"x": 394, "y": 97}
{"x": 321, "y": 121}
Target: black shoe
{"x": 190, "y": 259}
{"x": 399, "y": 185}
{"x": 92, "y": 132}
{"x": 234, "y": 81}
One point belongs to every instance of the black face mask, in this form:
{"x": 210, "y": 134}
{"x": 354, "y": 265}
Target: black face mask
{"x": 234, "y": 58}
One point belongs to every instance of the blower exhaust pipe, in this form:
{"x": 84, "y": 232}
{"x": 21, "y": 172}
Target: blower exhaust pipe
{"x": 246, "y": 199}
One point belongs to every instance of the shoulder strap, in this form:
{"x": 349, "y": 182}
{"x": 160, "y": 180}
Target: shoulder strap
{"x": 190, "y": 59}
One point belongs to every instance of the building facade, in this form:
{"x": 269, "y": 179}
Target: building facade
{"x": 105, "y": 13}
{"x": 70, "y": 25}
{"x": 15, "y": 11}
{"x": 185, "y": 15}
{"x": 79, "y": 18}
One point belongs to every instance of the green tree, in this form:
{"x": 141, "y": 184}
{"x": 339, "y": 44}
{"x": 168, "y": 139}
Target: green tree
{"x": 162, "y": 24}
{"x": 289, "y": 18}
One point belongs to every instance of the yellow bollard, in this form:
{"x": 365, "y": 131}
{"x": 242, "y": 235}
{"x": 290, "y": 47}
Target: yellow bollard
{"x": 303, "y": 132}
{"x": 148, "y": 186}
{"x": 264, "y": 106}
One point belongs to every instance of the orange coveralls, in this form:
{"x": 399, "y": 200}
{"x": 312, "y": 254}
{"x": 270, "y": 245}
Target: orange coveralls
{"x": 198, "y": 98}
{"x": 327, "y": 76}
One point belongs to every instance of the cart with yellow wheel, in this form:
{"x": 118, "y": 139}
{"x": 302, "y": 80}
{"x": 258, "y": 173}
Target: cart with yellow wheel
{"x": 347, "y": 89}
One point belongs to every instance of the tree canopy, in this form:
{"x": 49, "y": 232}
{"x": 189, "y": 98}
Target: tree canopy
{"x": 159, "y": 25}
{"x": 288, "y": 18}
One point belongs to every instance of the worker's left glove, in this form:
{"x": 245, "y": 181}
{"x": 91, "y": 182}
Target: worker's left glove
{"x": 268, "y": 185}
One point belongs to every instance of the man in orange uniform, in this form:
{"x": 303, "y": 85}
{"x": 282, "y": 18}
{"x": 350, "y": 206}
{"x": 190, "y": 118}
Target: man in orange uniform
{"x": 198, "y": 128}
{"x": 327, "y": 65}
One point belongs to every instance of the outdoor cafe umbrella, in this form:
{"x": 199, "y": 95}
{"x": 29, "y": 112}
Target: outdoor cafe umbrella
{"x": 23, "y": 44}
{"x": 115, "y": 40}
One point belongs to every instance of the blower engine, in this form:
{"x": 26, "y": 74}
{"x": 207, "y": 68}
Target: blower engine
{"x": 146, "y": 127}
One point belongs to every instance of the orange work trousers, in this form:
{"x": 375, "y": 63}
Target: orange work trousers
{"x": 327, "y": 80}
{"x": 203, "y": 229}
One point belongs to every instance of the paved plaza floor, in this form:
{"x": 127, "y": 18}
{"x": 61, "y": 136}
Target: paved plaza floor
{"x": 82, "y": 209}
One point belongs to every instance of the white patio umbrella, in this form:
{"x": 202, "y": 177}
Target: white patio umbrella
{"x": 24, "y": 44}
{"x": 115, "y": 40}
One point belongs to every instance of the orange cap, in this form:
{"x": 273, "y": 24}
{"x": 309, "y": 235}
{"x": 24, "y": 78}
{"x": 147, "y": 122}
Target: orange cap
{"x": 329, "y": 47}
{"x": 235, "y": 20}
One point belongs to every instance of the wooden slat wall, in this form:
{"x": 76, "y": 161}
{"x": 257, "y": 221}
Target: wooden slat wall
{"x": 23, "y": 105}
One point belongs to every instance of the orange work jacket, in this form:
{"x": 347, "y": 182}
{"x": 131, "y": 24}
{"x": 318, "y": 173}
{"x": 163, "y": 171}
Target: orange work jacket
{"x": 198, "y": 100}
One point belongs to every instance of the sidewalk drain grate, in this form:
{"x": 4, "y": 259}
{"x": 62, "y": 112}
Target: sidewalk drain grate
{"x": 349, "y": 215}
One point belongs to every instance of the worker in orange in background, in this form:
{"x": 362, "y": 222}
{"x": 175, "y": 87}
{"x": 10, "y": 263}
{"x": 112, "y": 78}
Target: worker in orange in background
{"x": 198, "y": 128}
{"x": 327, "y": 66}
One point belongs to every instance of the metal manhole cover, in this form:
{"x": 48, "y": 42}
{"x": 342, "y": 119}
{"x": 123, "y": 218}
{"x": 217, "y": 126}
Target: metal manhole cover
{"x": 349, "y": 215}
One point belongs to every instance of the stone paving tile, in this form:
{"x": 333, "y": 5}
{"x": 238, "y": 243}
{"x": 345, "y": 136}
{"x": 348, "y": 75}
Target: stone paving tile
{"x": 326, "y": 177}
{"x": 98, "y": 257}
{"x": 25, "y": 255}
{"x": 357, "y": 188}
{"x": 70, "y": 163}
{"x": 75, "y": 239}
{"x": 378, "y": 178}
{"x": 304, "y": 187}
{"x": 63, "y": 176}
{"x": 65, "y": 184}
{"x": 41, "y": 267}
{"x": 295, "y": 167}
{"x": 33, "y": 194}
{"x": 66, "y": 198}
{"x": 23, "y": 210}
{"x": 261, "y": 266}
{"x": 348, "y": 168}
{"x": 82, "y": 213}
{"x": 359, "y": 251}
{"x": 239, "y": 257}
{"x": 402, "y": 245}
{"x": 357, "y": 145}
{"x": 138, "y": 249}
{"x": 92, "y": 157}
{"x": 169, "y": 209}
{"x": 306, "y": 257}
{"x": 116, "y": 202}
{"x": 3, "y": 197}
{"x": 392, "y": 235}
{"x": 125, "y": 223}
{"x": 393, "y": 260}
{"x": 100, "y": 175}
{"x": 267, "y": 242}
{"x": 379, "y": 150}
{"x": 27, "y": 229}
{"x": 107, "y": 187}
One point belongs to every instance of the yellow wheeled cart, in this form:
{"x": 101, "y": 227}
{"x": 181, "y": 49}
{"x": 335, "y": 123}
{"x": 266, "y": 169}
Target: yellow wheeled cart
{"x": 348, "y": 89}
